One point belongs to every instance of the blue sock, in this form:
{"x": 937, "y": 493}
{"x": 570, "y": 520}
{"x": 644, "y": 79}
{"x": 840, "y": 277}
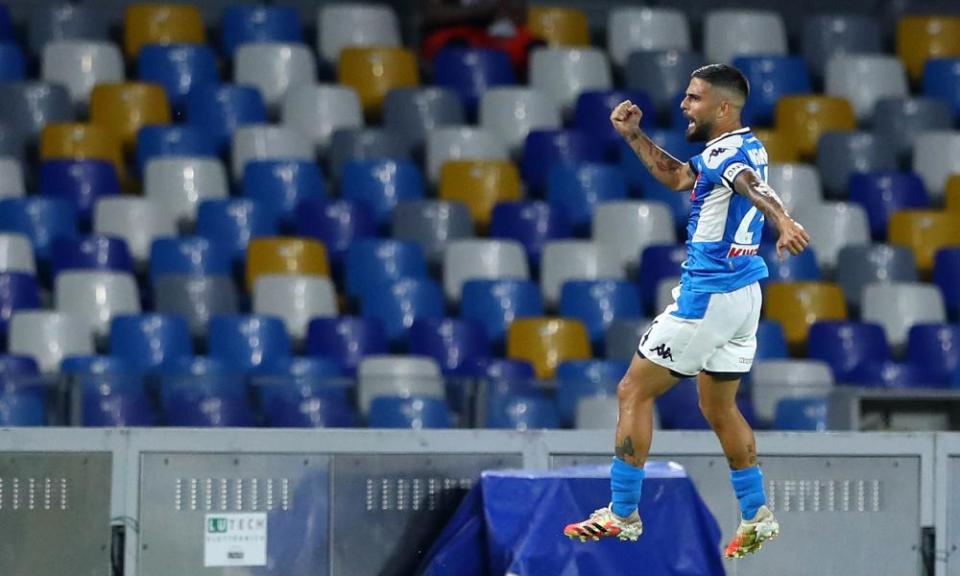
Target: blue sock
{"x": 748, "y": 486}
{"x": 625, "y": 484}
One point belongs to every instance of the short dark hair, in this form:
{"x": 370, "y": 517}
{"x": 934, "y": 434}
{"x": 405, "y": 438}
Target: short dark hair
{"x": 724, "y": 76}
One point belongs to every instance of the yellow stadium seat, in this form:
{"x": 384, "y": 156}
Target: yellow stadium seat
{"x": 80, "y": 142}
{"x": 546, "y": 342}
{"x": 779, "y": 147}
{"x": 373, "y": 71}
{"x": 803, "y": 119}
{"x": 161, "y": 24}
{"x": 797, "y": 305}
{"x": 924, "y": 232}
{"x": 480, "y": 184}
{"x": 125, "y": 107}
{"x": 558, "y": 26}
{"x": 952, "y": 193}
{"x": 285, "y": 255}
{"x": 920, "y": 38}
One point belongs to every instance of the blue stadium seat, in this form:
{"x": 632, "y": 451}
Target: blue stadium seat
{"x": 941, "y": 80}
{"x": 398, "y": 303}
{"x": 305, "y": 392}
{"x": 471, "y": 71}
{"x": 13, "y": 365}
{"x": 449, "y": 341}
{"x": 90, "y": 253}
{"x": 248, "y": 342}
{"x": 496, "y": 303}
{"x": 771, "y": 77}
{"x": 576, "y": 190}
{"x": 188, "y": 256}
{"x": 111, "y": 390}
{"x": 13, "y": 65}
{"x": 374, "y": 260}
{"x": 233, "y": 222}
{"x": 845, "y": 346}
{"x": 890, "y": 374}
{"x": 246, "y": 24}
{"x": 544, "y": 148}
{"x": 593, "y": 108}
{"x": 23, "y": 393}
{"x": 597, "y": 303}
{"x": 220, "y": 110}
{"x": 97, "y": 365}
{"x": 946, "y": 274}
{"x": 578, "y": 379}
{"x": 379, "y": 184}
{"x": 39, "y": 218}
{"x": 347, "y": 339}
{"x": 799, "y": 268}
{"x": 413, "y": 412}
{"x": 179, "y": 68}
{"x": 280, "y": 185}
{"x": 55, "y": 21}
{"x": 6, "y": 26}
{"x": 204, "y": 392}
{"x": 80, "y": 182}
{"x": 935, "y": 349}
{"x": 883, "y": 193}
{"x": 316, "y": 410}
{"x": 657, "y": 263}
{"x": 526, "y": 413}
{"x": 160, "y": 141}
{"x": 679, "y": 407}
{"x": 771, "y": 341}
{"x": 337, "y": 223}
{"x": 530, "y": 222}
{"x": 801, "y": 414}
{"x": 499, "y": 369}
{"x": 148, "y": 341}
{"x": 678, "y": 203}
{"x": 18, "y": 291}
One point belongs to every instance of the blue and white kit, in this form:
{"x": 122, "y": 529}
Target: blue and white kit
{"x": 712, "y": 323}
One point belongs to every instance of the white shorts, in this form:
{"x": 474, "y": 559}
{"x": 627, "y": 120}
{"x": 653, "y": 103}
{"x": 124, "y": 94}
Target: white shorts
{"x": 716, "y": 333}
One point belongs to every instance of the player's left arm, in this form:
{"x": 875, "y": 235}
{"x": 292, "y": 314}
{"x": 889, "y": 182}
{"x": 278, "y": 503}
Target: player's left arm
{"x": 793, "y": 236}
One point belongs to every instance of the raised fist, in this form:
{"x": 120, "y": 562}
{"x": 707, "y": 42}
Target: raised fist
{"x": 626, "y": 118}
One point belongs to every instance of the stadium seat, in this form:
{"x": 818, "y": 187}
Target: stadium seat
{"x": 845, "y": 346}
{"x": 899, "y": 121}
{"x": 481, "y": 259}
{"x": 248, "y": 342}
{"x": 809, "y": 414}
{"x": 946, "y": 275}
{"x": 564, "y": 73}
{"x": 204, "y": 392}
{"x": 90, "y": 253}
{"x": 57, "y": 21}
{"x": 414, "y": 413}
{"x": 924, "y": 232}
{"x": 373, "y": 71}
{"x": 335, "y": 223}
{"x": 149, "y": 341}
{"x": 632, "y": 29}
{"x": 432, "y": 224}
{"x": 481, "y": 185}
{"x": 164, "y": 141}
{"x": 730, "y": 33}
{"x": 461, "y": 143}
{"x": 280, "y": 185}
{"x": 345, "y": 25}
{"x": 349, "y": 144}
{"x": 161, "y": 24}
{"x": 565, "y": 260}
{"x": 578, "y": 191}
{"x": 79, "y": 65}
{"x": 797, "y": 184}
{"x": 188, "y": 256}
{"x": 136, "y": 220}
{"x": 898, "y": 306}
{"x": 532, "y": 223}
{"x": 177, "y": 185}
{"x": 233, "y": 222}
{"x": 864, "y": 79}
{"x": 285, "y": 255}
{"x": 274, "y": 69}
{"x": 597, "y": 303}
{"x": 832, "y": 226}
{"x": 601, "y": 413}
{"x": 780, "y": 147}
{"x": 450, "y": 341}
{"x": 496, "y": 303}
{"x": 374, "y": 261}
{"x": 22, "y": 395}
{"x": 841, "y": 155}
{"x": 294, "y": 298}
{"x": 545, "y": 148}
{"x": 511, "y": 112}
{"x": 314, "y": 408}
{"x": 593, "y": 108}
{"x": 380, "y": 184}
{"x": 936, "y": 155}
{"x": 319, "y": 110}
{"x": 48, "y": 336}
{"x": 951, "y": 193}
{"x": 79, "y": 182}
{"x": 347, "y": 339}
{"x": 658, "y": 261}
{"x": 179, "y": 68}
{"x": 29, "y": 107}
{"x": 124, "y": 108}
{"x": 797, "y": 305}
{"x": 771, "y": 341}
{"x": 39, "y": 218}
{"x": 196, "y": 298}
{"x": 803, "y": 119}
{"x": 626, "y": 228}
{"x": 415, "y": 112}
{"x": 11, "y": 178}
{"x": 771, "y": 77}
{"x": 661, "y": 74}
{"x": 402, "y": 376}
{"x": 18, "y": 291}
{"x": 546, "y": 342}
{"x": 827, "y": 35}
{"x": 883, "y": 193}
{"x": 80, "y": 142}
{"x": 267, "y": 142}
{"x": 935, "y": 349}
{"x": 858, "y": 266}
{"x": 774, "y": 380}
{"x": 96, "y": 296}
{"x": 398, "y": 303}
{"x": 221, "y": 110}
{"x": 941, "y": 80}
{"x": 525, "y": 413}
{"x": 250, "y": 24}
{"x": 891, "y": 374}
{"x": 678, "y": 408}
{"x": 920, "y": 38}
{"x": 559, "y": 26}
{"x": 470, "y": 72}
{"x": 623, "y": 335}
{"x": 802, "y": 267}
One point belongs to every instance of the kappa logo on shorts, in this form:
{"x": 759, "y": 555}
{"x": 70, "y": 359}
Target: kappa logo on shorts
{"x": 663, "y": 351}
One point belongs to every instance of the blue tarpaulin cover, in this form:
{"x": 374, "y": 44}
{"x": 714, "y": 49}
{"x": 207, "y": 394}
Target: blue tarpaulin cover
{"x": 512, "y": 522}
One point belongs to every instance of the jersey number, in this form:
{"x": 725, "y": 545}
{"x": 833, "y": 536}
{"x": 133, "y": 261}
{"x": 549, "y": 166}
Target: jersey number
{"x": 744, "y": 236}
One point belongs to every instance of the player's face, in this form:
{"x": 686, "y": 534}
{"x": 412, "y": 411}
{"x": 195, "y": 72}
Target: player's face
{"x": 700, "y": 109}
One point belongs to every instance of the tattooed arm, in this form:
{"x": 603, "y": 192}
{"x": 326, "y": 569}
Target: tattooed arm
{"x": 793, "y": 237}
{"x": 671, "y": 172}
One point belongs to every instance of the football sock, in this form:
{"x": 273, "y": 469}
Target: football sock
{"x": 748, "y": 486}
{"x": 625, "y": 484}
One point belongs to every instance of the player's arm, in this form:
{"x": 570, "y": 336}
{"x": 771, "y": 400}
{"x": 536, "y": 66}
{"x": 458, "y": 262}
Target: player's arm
{"x": 671, "y": 172}
{"x": 793, "y": 236}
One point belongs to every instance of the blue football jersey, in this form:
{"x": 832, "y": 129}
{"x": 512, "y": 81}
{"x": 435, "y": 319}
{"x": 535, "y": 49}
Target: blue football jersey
{"x": 723, "y": 234}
